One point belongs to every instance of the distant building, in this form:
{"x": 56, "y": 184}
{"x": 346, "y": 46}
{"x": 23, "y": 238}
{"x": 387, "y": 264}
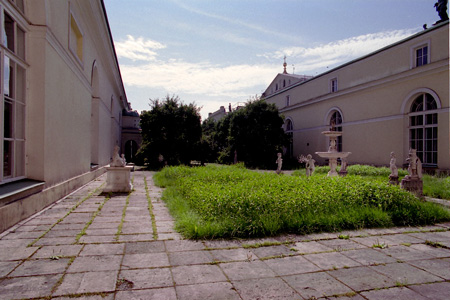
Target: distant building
{"x": 222, "y": 112}
{"x": 284, "y": 81}
{"x": 217, "y": 115}
{"x": 393, "y": 99}
{"x": 131, "y": 134}
{"x": 62, "y": 101}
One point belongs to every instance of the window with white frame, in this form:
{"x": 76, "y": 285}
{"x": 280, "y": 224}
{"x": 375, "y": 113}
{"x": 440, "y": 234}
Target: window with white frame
{"x": 333, "y": 85}
{"x": 421, "y": 56}
{"x": 12, "y": 115}
{"x": 423, "y": 129}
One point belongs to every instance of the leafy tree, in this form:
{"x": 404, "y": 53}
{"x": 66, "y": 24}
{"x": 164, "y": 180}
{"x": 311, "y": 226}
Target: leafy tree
{"x": 209, "y": 146}
{"x": 171, "y": 132}
{"x": 256, "y": 134}
{"x": 225, "y": 150}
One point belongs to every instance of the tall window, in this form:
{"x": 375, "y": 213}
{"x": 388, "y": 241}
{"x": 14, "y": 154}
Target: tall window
{"x": 290, "y": 133}
{"x": 423, "y": 129}
{"x": 333, "y": 85}
{"x": 288, "y": 100}
{"x": 336, "y": 125}
{"x": 12, "y": 57}
{"x": 421, "y": 56}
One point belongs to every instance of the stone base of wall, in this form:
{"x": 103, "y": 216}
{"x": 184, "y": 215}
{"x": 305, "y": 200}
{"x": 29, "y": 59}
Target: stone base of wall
{"x": 21, "y": 209}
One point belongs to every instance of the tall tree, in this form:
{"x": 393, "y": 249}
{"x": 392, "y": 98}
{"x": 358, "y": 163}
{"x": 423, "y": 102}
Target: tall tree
{"x": 171, "y": 132}
{"x": 256, "y": 134}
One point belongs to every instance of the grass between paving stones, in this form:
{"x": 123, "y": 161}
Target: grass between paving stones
{"x": 83, "y": 231}
{"x": 124, "y": 212}
{"x": 228, "y": 201}
{"x": 68, "y": 213}
{"x": 150, "y": 210}
{"x": 61, "y": 279}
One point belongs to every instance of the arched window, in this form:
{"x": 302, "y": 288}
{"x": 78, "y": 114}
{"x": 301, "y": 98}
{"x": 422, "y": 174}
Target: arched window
{"x": 290, "y": 132}
{"x": 336, "y": 125}
{"x": 423, "y": 129}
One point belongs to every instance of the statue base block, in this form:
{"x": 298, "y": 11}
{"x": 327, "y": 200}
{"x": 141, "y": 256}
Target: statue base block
{"x": 393, "y": 179}
{"x": 413, "y": 185}
{"x": 118, "y": 180}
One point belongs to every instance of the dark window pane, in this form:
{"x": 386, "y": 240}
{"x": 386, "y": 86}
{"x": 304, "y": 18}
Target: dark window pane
{"x": 417, "y": 104}
{"x": 7, "y": 158}
{"x": 8, "y": 119}
{"x": 430, "y": 102}
{"x": 8, "y": 39}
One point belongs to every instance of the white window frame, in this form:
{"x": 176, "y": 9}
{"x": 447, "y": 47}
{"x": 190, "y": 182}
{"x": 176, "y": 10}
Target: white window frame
{"x": 423, "y": 127}
{"x": 413, "y": 54}
{"x": 16, "y": 61}
{"x": 334, "y": 85}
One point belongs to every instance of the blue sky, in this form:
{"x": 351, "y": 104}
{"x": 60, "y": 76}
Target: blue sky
{"x": 215, "y": 52}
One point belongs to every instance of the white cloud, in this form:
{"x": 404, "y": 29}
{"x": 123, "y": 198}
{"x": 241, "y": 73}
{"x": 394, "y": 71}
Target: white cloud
{"x": 206, "y": 80}
{"x": 177, "y": 76}
{"x": 331, "y": 54}
{"x": 138, "y": 48}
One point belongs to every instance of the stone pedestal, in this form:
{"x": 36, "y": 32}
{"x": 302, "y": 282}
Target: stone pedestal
{"x": 413, "y": 184}
{"x": 393, "y": 179}
{"x": 343, "y": 173}
{"x": 118, "y": 180}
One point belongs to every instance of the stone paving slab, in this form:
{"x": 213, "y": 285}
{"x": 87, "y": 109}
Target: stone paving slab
{"x": 87, "y": 246}
{"x": 318, "y": 284}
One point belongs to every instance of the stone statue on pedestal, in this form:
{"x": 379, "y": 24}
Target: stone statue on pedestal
{"x": 310, "y": 167}
{"x": 117, "y": 161}
{"x": 279, "y": 161}
{"x": 118, "y": 178}
{"x": 413, "y": 181}
{"x": 393, "y": 177}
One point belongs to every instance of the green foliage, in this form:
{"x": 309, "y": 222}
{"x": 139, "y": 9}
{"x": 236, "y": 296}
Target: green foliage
{"x": 436, "y": 187}
{"x": 433, "y": 186}
{"x": 256, "y": 134}
{"x": 219, "y": 201}
{"x": 253, "y": 134}
{"x": 171, "y": 133}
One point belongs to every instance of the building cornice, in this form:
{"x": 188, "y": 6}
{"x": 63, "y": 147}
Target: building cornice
{"x": 436, "y": 27}
{"x": 436, "y": 67}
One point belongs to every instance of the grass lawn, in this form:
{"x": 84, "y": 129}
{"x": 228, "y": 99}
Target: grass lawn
{"x": 229, "y": 201}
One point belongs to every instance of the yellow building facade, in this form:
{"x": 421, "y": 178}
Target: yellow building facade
{"x": 62, "y": 101}
{"x": 394, "y": 99}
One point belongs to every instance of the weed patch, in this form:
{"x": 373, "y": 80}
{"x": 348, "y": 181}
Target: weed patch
{"x": 224, "y": 201}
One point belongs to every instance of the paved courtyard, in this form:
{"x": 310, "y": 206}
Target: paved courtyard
{"x": 90, "y": 246}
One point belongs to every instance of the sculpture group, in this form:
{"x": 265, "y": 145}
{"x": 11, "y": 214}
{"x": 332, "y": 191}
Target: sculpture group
{"x": 412, "y": 182}
{"x": 118, "y": 178}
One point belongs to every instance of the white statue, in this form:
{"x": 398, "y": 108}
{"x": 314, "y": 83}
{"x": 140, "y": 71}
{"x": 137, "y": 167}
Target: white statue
{"x": 279, "y": 161}
{"x": 415, "y": 165}
{"x": 117, "y": 161}
{"x": 310, "y": 165}
{"x": 393, "y": 166}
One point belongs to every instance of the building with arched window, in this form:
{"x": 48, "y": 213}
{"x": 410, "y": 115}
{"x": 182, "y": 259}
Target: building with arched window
{"x": 62, "y": 100}
{"x": 393, "y": 99}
